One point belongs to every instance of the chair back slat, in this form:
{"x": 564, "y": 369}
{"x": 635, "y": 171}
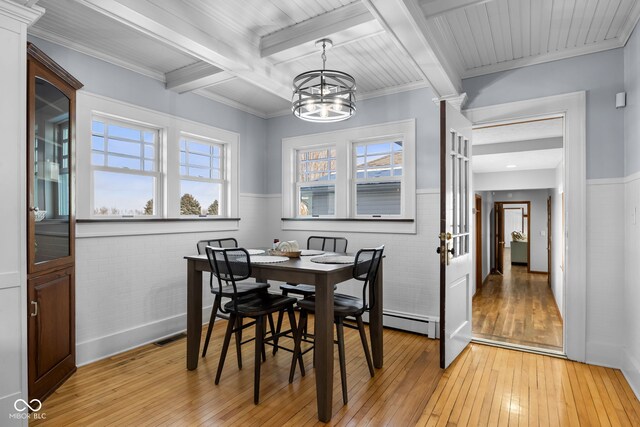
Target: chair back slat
{"x": 228, "y": 266}
{"x": 227, "y": 242}
{"x": 329, "y": 244}
{"x": 365, "y": 269}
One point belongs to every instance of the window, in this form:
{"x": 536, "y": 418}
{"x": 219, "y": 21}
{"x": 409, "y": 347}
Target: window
{"x": 202, "y": 182}
{"x": 365, "y": 173}
{"x": 377, "y": 180}
{"x": 315, "y": 182}
{"x": 124, "y": 164}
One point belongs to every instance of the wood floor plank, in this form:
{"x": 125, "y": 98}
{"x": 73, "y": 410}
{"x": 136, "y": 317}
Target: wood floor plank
{"x": 149, "y": 386}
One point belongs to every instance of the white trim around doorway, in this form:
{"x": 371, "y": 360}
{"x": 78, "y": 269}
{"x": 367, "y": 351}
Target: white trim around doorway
{"x": 572, "y": 107}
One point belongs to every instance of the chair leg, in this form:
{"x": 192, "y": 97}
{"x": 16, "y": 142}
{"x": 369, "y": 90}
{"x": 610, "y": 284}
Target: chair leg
{"x": 280, "y": 317}
{"x": 274, "y": 333}
{"x": 214, "y": 313}
{"x": 294, "y": 330}
{"x": 239, "y": 341}
{"x": 264, "y": 333}
{"x": 365, "y": 346}
{"x": 258, "y": 351}
{"x": 343, "y": 367}
{"x": 297, "y": 352}
{"x": 225, "y": 346}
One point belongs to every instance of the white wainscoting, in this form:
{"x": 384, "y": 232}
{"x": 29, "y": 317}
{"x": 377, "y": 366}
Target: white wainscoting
{"x": 411, "y": 266}
{"x": 131, "y": 290}
{"x": 605, "y": 273}
{"x": 631, "y": 295}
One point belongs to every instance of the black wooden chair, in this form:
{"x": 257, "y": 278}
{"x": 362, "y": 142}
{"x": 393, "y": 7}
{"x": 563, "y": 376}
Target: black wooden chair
{"x": 321, "y": 243}
{"x": 244, "y": 290}
{"x": 230, "y": 266}
{"x": 365, "y": 269}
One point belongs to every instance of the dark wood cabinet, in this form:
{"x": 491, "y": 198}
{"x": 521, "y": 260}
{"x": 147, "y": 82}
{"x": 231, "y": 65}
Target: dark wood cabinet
{"x": 50, "y": 214}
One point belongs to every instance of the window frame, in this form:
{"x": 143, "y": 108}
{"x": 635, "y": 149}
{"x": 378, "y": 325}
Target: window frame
{"x": 344, "y": 141}
{"x": 107, "y": 119}
{"x": 355, "y": 180}
{"x": 300, "y": 184}
{"x": 168, "y": 157}
{"x": 189, "y": 137}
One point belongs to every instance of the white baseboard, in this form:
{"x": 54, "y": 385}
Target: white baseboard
{"x": 601, "y": 354}
{"x": 631, "y": 371}
{"x": 426, "y": 325}
{"x": 8, "y": 414}
{"x": 109, "y": 345}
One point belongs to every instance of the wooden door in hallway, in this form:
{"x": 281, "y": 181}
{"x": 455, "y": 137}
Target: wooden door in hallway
{"x": 549, "y": 264}
{"x": 499, "y": 209}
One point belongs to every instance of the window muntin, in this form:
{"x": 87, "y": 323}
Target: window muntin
{"x": 124, "y": 165}
{"x": 202, "y": 177}
{"x": 378, "y": 177}
{"x": 315, "y": 182}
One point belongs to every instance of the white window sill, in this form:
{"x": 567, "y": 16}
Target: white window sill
{"x": 351, "y": 225}
{"x": 140, "y": 227}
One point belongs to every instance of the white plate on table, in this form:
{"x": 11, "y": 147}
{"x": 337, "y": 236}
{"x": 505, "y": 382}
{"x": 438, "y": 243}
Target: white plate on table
{"x": 311, "y": 252}
{"x": 255, "y": 251}
{"x": 266, "y": 259}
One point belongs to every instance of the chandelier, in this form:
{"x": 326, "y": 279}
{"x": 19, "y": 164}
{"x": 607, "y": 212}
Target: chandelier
{"x": 324, "y": 95}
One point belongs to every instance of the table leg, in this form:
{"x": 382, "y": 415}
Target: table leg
{"x": 324, "y": 347}
{"x": 194, "y": 314}
{"x": 375, "y": 319}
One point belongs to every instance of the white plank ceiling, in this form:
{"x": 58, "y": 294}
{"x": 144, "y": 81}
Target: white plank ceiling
{"x": 246, "y": 53}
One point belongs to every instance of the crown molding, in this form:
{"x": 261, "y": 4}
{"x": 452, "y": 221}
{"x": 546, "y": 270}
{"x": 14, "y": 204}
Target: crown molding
{"x": 547, "y": 57}
{"x": 65, "y": 42}
{"x": 230, "y": 103}
{"x": 26, "y": 15}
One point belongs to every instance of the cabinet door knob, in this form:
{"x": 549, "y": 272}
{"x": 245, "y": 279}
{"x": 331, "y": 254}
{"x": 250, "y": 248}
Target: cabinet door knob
{"x": 35, "y": 308}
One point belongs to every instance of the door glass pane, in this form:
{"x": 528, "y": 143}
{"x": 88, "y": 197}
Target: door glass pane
{"x": 51, "y": 188}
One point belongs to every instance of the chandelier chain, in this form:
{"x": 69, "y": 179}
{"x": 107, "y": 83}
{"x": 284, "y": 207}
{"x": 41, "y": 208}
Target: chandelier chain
{"x": 324, "y": 55}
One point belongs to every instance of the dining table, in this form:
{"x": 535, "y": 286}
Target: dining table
{"x": 294, "y": 270}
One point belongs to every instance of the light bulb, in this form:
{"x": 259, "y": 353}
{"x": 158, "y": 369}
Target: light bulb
{"x": 310, "y": 107}
{"x": 324, "y": 111}
{"x": 337, "y": 106}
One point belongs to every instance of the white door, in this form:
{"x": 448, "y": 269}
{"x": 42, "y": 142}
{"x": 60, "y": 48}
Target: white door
{"x": 455, "y": 233}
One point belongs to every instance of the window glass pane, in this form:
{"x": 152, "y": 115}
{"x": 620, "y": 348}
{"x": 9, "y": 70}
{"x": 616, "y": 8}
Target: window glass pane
{"x": 123, "y": 147}
{"x": 378, "y": 198}
{"x": 199, "y": 172}
{"x": 379, "y": 148}
{"x": 198, "y": 160}
{"x": 123, "y": 162}
{"x": 149, "y": 137}
{"x": 215, "y": 174}
{"x": 200, "y": 198}
{"x": 316, "y": 165}
{"x": 97, "y": 127}
{"x": 317, "y": 200}
{"x": 149, "y": 165}
{"x": 97, "y": 159}
{"x": 122, "y": 194}
{"x": 97, "y": 143}
{"x": 148, "y": 151}
{"x": 124, "y": 132}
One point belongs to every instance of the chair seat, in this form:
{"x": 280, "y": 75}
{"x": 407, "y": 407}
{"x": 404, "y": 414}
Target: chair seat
{"x": 343, "y": 305}
{"x": 242, "y": 289}
{"x": 304, "y": 290}
{"x": 263, "y": 303}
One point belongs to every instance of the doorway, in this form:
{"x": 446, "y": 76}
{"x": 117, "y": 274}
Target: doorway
{"x": 517, "y": 177}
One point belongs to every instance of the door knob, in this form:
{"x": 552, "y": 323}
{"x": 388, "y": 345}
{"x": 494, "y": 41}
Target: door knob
{"x": 35, "y": 308}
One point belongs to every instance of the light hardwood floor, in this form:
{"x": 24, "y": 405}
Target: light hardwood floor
{"x": 518, "y": 308}
{"x": 485, "y": 386}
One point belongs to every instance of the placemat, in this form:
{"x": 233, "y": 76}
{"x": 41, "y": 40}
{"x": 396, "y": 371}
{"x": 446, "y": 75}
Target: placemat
{"x": 265, "y": 259}
{"x": 334, "y": 259}
{"x": 311, "y": 252}
{"x": 255, "y": 251}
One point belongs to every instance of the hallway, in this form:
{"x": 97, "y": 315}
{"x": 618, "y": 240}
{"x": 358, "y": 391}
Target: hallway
{"x": 517, "y": 308}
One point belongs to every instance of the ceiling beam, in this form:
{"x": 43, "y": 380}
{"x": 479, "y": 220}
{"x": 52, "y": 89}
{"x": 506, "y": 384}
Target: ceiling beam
{"x": 170, "y": 25}
{"x": 195, "y": 76}
{"x": 517, "y": 146}
{"x": 406, "y": 23}
{"x": 345, "y": 18}
{"x": 433, "y": 8}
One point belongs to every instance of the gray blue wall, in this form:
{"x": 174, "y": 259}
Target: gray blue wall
{"x": 115, "y": 82}
{"x": 416, "y": 104}
{"x": 632, "y": 111}
{"x": 601, "y": 75}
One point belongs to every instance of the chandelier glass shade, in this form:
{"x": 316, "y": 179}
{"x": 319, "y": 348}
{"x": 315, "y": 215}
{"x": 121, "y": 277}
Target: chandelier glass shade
{"x": 324, "y": 95}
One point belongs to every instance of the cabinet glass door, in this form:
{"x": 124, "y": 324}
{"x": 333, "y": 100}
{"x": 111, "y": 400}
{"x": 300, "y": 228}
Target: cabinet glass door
{"x": 50, "y": 198}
